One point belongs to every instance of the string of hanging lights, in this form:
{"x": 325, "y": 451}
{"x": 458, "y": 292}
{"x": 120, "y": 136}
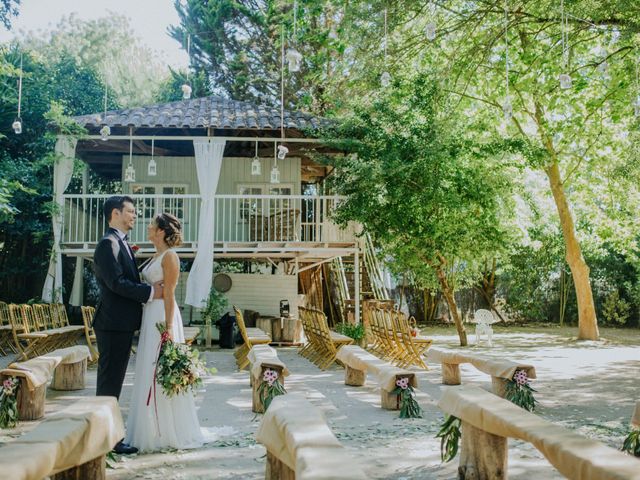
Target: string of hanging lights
{"x": 17, "y": 123}
{"x": 186, "y": 87}
{"x": 130, "y": 171}
{"x": 564, "y": 78}
{"x": 507, "y": 108}
{"x": 385, "y": 78}
{"x": 105, "y": 131}
{"x": 430, "y": 27}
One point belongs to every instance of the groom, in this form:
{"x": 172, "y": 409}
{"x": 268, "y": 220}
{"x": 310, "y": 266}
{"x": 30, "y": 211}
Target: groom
{"x": 122, "y": 294}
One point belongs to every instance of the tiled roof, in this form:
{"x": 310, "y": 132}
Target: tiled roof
{"x": 215, "y": 112}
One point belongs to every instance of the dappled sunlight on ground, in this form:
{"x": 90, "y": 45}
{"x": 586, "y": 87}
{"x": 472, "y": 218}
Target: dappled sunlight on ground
{"x": 587, "y": 386}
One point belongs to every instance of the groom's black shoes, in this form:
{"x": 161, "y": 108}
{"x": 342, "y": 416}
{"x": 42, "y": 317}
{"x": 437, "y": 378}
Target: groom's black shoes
{"x": 124, "y": 449}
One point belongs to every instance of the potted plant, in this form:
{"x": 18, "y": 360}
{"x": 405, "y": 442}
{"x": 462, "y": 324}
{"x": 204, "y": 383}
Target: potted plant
{"x": 216, "y": 305}
{"x": 355, "y": 331}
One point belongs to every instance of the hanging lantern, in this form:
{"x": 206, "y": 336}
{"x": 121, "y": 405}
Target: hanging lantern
{"x": 105, "y": 132}
{"x": 275, "y": 174}
{"x": 130, "y": 174}
{"x": 565, "y": 81}
{"x": 385, "y": 79}
{"x": 152, "y": 168}
{"x": 256, "y": 167}
{"x": 507, "y": 109}
{"x": 430, "y": 31}
{"x": 294, "y": 58}
{"x": 282, "y": 152}
{"x": 186, "y": 91}
{"x": 17, "y": 126}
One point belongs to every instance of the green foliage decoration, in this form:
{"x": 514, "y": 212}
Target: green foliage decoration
{"x": 355, "y": 331}
{"x": 631, "y": 443}
{"x": 9, "y": 402}
{"x": 409, "y": 407}
{"x": 519, "y": 391}
{"x": 270, "y": 387}
{"x": 449, "y": 435}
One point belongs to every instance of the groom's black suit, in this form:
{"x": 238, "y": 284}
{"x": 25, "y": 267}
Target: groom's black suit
{"x": 119, "y": 311}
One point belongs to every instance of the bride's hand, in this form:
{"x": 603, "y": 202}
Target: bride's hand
{"x": 169, "y": 333}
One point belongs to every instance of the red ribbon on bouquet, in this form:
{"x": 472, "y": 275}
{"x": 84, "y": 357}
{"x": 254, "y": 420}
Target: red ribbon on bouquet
{"x": 164, "y": 338}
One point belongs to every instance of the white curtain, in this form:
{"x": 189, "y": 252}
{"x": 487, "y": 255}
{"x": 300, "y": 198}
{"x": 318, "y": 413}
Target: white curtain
{"x": 208, "y": 164}
{"x": 62, "y": 172}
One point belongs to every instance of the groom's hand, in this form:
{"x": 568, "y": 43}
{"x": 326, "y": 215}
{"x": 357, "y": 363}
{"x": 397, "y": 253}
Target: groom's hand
{"x": 158, "y": 290}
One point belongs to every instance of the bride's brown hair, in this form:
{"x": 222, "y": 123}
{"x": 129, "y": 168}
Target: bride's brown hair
{"x": 171, "y": 227}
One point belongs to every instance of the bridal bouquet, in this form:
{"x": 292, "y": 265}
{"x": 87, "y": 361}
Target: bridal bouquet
{"x": 178, "y": 368}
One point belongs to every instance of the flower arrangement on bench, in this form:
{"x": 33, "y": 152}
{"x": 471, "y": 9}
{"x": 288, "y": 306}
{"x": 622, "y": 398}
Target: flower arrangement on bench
{"x": 270, "y": 387}
{"x": 9, "y": 402}
{"x": 518, "y": 390}
{"x": 409, "y": 407}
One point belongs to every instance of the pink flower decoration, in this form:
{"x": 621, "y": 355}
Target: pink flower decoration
{"x": 270, "y": 376}
{"x": 403, "y": 383}
{"x": 8, "y": 384}
{"x": 520, "y": 377}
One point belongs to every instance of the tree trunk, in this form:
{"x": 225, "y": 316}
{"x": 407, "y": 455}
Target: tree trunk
{"x": 451, "y": 302}
{"x": 587, "y": 321}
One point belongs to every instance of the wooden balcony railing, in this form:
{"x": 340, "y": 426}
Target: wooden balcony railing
{"x": 237, "y": 219}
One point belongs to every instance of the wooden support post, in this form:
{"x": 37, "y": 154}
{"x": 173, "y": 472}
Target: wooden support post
{"x": 451, "y": 374}
{"x": 70, "y": 376}
{"x": 499, "y": 386}
{"x": 276, "y": 470}
{"x": 353, "y": 377}
{"x": 256, "y": 402}
{"x": 31, "y": 403}
{"x": 483, "y": 456}
{"x": 92, "y": 470}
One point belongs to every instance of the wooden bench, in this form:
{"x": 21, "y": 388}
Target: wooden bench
{"x": 67, "y": 367}
{"x": 488, "y": 421}
{"x": 251, "y": 337}
{"x": 300, "y": 445}
{"x": 71, "y": 444}
{"x": 261, "y": 358}
{"x": 500, "y": 370}
{"x": 358, "y": 362}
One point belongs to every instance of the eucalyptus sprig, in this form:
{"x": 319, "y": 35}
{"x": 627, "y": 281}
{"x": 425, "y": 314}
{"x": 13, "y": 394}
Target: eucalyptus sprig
{"x": 449, "y": 435}
{"x": 631, "y": 444}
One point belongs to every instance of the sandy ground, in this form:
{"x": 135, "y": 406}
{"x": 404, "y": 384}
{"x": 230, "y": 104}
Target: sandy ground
{"x": 587, "y": 386}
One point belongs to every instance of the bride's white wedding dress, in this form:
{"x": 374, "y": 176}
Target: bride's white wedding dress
{"x": 176, "y": 424}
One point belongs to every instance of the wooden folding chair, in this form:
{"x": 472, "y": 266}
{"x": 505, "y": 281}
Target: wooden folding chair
{"x": 89, "y": 334}
{"x": 6, "y": 332}
{"x": 28, "y": 340}
{"x": 251, "y": 337}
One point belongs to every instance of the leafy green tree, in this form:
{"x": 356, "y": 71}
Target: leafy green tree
{"x": 431, "y": 199}
{"x": 8, "y": 9}
{"x": 109, "y": 46}
{"x": 237, "y": 43}
{"x": 48, "y": 90}
{"x": 573, "y": 133}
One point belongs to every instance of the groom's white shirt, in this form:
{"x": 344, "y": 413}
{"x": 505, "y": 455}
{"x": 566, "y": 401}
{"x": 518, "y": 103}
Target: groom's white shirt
{"x": 123, "y": 237}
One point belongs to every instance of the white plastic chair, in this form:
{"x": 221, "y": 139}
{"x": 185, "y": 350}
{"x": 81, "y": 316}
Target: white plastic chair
{"x": 484, "y": 320}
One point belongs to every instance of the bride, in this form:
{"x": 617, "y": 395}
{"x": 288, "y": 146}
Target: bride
{"x": 161, "y": 422}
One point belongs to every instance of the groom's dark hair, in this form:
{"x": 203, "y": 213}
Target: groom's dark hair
{"x": 115, "y": 202}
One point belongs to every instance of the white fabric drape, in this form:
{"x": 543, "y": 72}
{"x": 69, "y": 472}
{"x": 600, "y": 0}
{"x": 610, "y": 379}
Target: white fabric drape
{"x": 208, "y": 154}
{"x": 62, "y": 172}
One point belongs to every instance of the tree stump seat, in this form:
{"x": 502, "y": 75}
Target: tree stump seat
{"x": 261, "y": 358}
{"x": 499, "y": 370}
{"x": 67, "y": 367}
{"x": 71, "y": 444}
{"x": 489, "y": 421}
{"x": 300, "y": 445}
{"x": 358, "y": 362}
